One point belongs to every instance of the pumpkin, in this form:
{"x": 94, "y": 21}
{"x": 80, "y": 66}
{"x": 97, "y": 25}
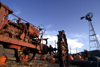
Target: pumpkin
{"x": 52, "y": 60}
{"x": 78, "y": 57}
{"x": 35, "y": 58}
{"x": 42, "y": 58}
{"x": 86, "y": 59}
{"x": 3, "y": 59}
{"x": 70, "y": 57}
{"x": 47, "y": 58}
{"x": 23, "y": 58}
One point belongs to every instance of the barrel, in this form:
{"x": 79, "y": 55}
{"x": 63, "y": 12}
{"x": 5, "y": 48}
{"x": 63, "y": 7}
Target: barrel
{"x": 3, "y": 59}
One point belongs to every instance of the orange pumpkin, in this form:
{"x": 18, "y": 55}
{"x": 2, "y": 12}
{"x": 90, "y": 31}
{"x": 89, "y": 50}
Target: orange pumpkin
{"x": 78, "y": 57}
{"x": 35, "y": 58}
{"x": 3, "y": 59}
{"x": 70, "y": 57}
{"x": 42, "y": 58}
{"x": 52, "y": 60}
{"x": 86, "y": 59}
{"x": 23, "y": 58}
{"x": 47, "y": 58}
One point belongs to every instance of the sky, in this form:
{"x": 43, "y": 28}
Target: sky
{"x": 57, "y": 15}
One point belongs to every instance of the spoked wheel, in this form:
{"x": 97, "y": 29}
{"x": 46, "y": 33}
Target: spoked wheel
{"x": 30, "y": 57}
{"x": 21, "y": 56}
{"x": 62, "y": 49}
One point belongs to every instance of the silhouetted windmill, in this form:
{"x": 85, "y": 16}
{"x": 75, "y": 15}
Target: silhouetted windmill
{"x": 92, "y": 34}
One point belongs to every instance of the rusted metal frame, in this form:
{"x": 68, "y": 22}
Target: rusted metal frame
{"x": 6, "y": 7}
{"x": 62, "y": 46}
{"x": 2, "y": 13}
{"x": 60, "y": 58}
{"x": 23, "y": 19}
{"x": 4, "y": 22}
{"x": 16, "y": 55}
{"x": 10, "y": 46}
{"x": 17, "y": 42}
{"x": 15, "y": 25}
{"x": 65, "y": 40}
{"x": 41, "y": 44}
{"x": 24, "y": 31}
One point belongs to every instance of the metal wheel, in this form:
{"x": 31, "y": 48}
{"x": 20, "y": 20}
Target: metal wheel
{"x": 30, "y": 54}
{"x": 23, "y": 55}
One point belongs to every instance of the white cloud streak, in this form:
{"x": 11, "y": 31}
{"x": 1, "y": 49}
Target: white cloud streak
{"x": 51, "y": 33}
{"x": 74, "y": 43}
{"x": 73, "y": 51}
{"x": 51, "y": 40}
{"x": 83, "y": 35}
{"x": 17, "y": 11}
{"x": 48, "y": 26}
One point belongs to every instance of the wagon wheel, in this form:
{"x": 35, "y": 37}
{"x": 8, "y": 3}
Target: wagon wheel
{"x": 30, "y": 54}
{"x": 20, "y": 56}
{"x": 62, "y": 49}
{"x": 30, "y": 57}
{"x": 27, "y": 58}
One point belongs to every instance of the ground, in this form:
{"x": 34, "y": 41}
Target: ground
{"x": 11, "y": 61}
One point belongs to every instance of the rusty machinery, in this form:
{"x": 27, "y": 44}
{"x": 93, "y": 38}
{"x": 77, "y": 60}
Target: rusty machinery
{"x": 62, "y": 49}
{"x": 22, "y": 37}
{"x": 26, "y": 39}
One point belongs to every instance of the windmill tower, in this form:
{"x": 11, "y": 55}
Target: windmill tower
{"x": 93, "y": 41}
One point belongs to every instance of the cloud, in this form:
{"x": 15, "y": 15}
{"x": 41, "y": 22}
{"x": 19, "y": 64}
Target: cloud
{"x": 51, "y": 40}
{"x": 74, "y": 43}
{"x": 73, "y": 51}
{"x": 53, "y": 33}
{"x": 49, "y": 26}
{"x": 17, "y": 11}
{"x": 98, "y": 37}
{"x": 83, "y": 35}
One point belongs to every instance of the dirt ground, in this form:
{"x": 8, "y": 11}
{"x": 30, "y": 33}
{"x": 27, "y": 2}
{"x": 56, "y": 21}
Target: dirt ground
{"x": 36, "y": 63}
{"x": 11, "y": 62}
